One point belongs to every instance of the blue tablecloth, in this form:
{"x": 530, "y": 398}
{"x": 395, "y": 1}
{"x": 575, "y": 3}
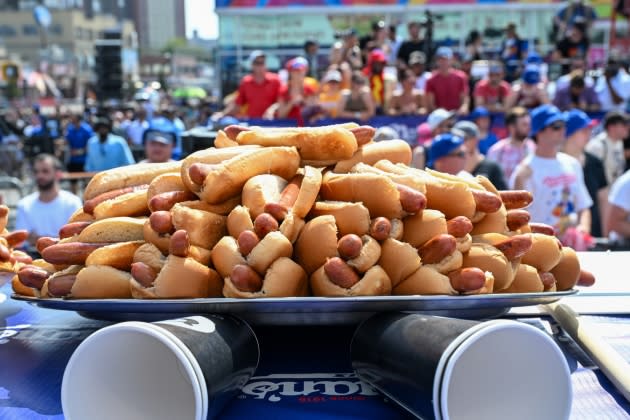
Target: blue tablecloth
{"x": 304, "y": 372}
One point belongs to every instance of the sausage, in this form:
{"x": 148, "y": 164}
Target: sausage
{"x": 265, "y": 223}
{"x": 16, "y": 237}
{"x": 179, "y": 244}
{"x": 516, "y": 199}
{"x": 380, "y": 228}
{"x": 246, "y": 279}
{"x": 363, "y": 134}
{"x": 459, "y": 226}
{"x": 515, "y": 247}
{"x": 44, "y": 242}
{"x": 542, "y": 228}
{"x": 162, "y": 222}
{"x": 437, "y": 248}
{"x": 548, "y": 280}
{"x": 517, "y": 218}
{"x": 88, "y": 206}
{"x": 70, "y": 253}
{"x": 5, "y": 254}
{"x": 349, "y": 246}
{"x": 20, "y": 256}
{"x": 32, "y": 276}
{"x": 232, "y": 131}
{"x": 144, "y": 274}
{"x": 287, "y": 198}
{"x": 247, "y": 240}
{"x": 340, "y": 273}
{"x": 166, "y": 200}
{"x": 486, "y": 201}
{"x": 412, "y": 201}
{"x": 199, "y": 171}
{"x": 71, "y": 229}
{"x": 467, "y": 279}
{"x": 586, "y": 278}
{"x": 60, "y": 286}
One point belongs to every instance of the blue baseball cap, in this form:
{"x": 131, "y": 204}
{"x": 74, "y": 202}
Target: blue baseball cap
{"x": 577, "y": 120}
{"x": 479, "y": 112}
{"x": 442, "y": 145}
{"x": 544, "y": 116}
{"x": 531, "y": 74}
{"x": 444, "y": 52}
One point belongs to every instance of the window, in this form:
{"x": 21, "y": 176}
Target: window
{"x": 7, "y": 31}
{"x": 29, "y": 30}
{"x": 56, "y": 29}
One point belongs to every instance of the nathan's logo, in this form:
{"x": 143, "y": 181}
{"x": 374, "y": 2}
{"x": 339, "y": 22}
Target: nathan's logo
{"x": 195, "y": 323}
{"x": 308, "y": 387}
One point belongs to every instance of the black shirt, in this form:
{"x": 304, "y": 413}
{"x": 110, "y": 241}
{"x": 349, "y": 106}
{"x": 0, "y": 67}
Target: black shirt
{"x": 595, "y": 180}
{"x": 409, "y": 46}
{"x": 491, "y": 170}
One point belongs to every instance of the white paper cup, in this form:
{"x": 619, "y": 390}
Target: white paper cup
{"x": 452, "y": 369}
{"x": 179, "y": 369}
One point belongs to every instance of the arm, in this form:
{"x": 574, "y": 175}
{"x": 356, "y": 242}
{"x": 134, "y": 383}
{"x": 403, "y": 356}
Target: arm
{"x": 520, "y": 177}
{"x": 341, "y": 107}
{"x": 369, "y": 104}
{"x": 602, "y": 201}
{"x": 584, "y": 220}
{"x": 429, "y": 101}
{"x": 618, "y": 221}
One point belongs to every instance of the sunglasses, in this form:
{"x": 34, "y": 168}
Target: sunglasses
{"x": 459, "y": 154}
{"x": 259, "y": 63}
{"x": 557, "y": 126}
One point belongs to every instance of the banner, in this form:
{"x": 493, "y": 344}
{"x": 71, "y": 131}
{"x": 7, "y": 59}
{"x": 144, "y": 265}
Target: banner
{"x": 336, "y": 3}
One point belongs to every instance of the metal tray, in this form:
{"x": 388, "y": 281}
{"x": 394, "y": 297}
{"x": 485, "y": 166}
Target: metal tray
{"x": 300, "y": 310}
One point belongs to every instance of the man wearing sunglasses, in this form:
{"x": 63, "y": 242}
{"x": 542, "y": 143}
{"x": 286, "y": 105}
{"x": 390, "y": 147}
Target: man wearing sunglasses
{"x": 555, "y": 179}
{"x": 448, "y": 154}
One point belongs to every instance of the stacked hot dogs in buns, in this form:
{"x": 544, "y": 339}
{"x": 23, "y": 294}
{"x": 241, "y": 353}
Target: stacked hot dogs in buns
{"x": 280, "y": 212}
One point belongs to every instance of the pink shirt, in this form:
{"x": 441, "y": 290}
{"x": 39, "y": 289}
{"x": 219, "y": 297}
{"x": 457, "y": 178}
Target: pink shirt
{"x": 508, "y": 156}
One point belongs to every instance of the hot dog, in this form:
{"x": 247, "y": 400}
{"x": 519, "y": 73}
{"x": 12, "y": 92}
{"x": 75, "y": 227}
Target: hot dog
{"x": 516, "y": 199}
{"x": 349, "y": 217}
{"x": 283, "y": 278}
{"x": 395, "y": 151}
{"x": 337, "y": 279}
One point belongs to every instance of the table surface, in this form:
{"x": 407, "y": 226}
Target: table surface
{"x": 36, "y": 343}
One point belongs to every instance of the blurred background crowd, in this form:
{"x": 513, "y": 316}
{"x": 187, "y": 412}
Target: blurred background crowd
{"x": 546, "y": 117}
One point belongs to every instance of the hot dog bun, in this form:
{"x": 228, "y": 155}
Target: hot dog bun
{"x": 545, "y": 253}
{"x": 273, "y": 246}
{"x": 238, "y": 221}
{"x": 129, "y": 204}
{"x": 349, "y": 217}
{"x": 488, "y": 258}
{"x": 395, "y": 151}
{"x": 526, "y": 280}
{"x": 283, "y": 278}
{"x": 119, "y": 255}
{"x": 398, "y": 259}
{"x": 426, "y": 280}
{"x": 260, "y": 190}
{"x": 101, "y": 282}
{"x": 115, "y": 229}
{"x": 567, "y": 271}
{"x": 127, "y": 176}
{"x": 316, "y": 243}
{"x": 422, "y": 226}
{"x": 205, "y": 228}
{"x": 374, "y": 282}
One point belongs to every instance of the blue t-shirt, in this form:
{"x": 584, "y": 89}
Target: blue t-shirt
{"x": 77, "y": 138}
{"x": 487, "y": 142}
{"x": 112, "y": 153}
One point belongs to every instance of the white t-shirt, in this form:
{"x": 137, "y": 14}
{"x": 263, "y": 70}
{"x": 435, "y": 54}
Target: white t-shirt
{"x": 558, "y": 189}
{"x": 620, "y": 196}
{"x": 45, "y": 219}
{"x": 610, "y": 152}
{"x": 621, "y": 84}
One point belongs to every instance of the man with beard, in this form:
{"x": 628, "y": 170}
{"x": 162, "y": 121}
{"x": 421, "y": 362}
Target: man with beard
{"x": 510, "y": 151}
{"x": 106, "y": 150}
{"x": 46, "y": 210}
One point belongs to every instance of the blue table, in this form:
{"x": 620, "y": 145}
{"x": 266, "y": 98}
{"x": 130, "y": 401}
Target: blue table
{"x": 305, "y": 372}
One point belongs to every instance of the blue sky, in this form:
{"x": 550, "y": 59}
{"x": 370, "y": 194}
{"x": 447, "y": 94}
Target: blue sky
{"x": 200, "y": 16}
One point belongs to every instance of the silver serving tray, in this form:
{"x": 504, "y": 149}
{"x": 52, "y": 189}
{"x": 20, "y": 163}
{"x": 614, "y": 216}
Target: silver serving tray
{"x": 300, "y": 310}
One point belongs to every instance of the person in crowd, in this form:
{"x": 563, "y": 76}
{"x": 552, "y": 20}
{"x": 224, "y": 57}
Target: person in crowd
{"x": 465, "y": 65}
{"x": 577, "y": 65}
{"x": 441, "y": 121}
{"x": 613, "y": 90}
{"x": 417, "y": 64}
{"x": 392, "y": 42}
{"x": 257, "y": 91}
{"x": 577, "y": 95}
{"x": 571, "y": 12}
{"x": 357, "y": 103}
{"x": 476, "y": 163}
{"x": 530, "y": 92}
{"x": 448, "y": 154}
{"x": 556, "y": 180}
{"x": 351, "y": 52}
{"x": 510, "y": 151}
{"x": 574, "y": 43}
{"x": 415, "y": 42}
{"x": 385, "y": 133}
{"x": 447, "y": 88}
{"x": 608, "y": 145}
{"x": 338, "y": 63}
{"x": 77, "y": 135}
{"x": 45, "y": 211}
{"x": 483, "y": 120}
{"x": 618, "y": 216}
{"x": 330, "y": 94}
{"x": 380, "y": 86}
{"x": 578, "y": 133}
{"x": 377, "y": 39}
{"x": 474, "y": 45}
{"x": 511, "y": 52}
{"x": 407, "y": 100}
{"x": 296, "y": 95}
{"x": 438, "y": 122}
{"x": 311, "y": 51}
{"x": 106, "y": 150}
{"x": 492, "y": 92}
{"x": 135, "y": 130}
{"x": 158, "y": 146}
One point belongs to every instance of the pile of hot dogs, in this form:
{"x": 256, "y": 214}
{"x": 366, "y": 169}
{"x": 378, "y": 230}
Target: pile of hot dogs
{"x": 296, "y": 212}
{"x": 11, "y": 259}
